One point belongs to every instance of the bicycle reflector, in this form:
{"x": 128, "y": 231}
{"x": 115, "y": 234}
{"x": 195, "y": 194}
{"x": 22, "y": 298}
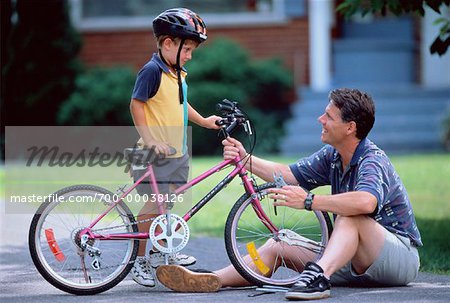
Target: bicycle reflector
{"x": 53, "y": 245}
{"x": 259, "y": 263}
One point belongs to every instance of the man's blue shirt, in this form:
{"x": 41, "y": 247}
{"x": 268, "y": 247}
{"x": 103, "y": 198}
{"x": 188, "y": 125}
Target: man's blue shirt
{"x": 370, "y": 170}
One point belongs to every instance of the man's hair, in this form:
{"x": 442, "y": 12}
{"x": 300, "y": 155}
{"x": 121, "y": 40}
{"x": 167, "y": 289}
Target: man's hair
{"x": 355, "y": 106}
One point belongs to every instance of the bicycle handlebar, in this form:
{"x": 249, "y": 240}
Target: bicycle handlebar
{"x": 233, "y": 116}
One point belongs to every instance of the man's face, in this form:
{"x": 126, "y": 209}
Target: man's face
{"x": 334, "y": 129}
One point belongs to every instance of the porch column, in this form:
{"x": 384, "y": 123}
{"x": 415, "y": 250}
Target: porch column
{"x": 320, "y": 19}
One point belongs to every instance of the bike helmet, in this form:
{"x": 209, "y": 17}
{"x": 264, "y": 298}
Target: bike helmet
{"x": 182, "y": 23}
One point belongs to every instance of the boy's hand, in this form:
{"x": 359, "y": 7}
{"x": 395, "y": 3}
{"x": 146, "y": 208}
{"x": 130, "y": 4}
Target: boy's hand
{"x": 159, "y": 147}
{"x": 210, "y": 122}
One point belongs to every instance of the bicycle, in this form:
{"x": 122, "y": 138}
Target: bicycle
{"x": 90, "y": 250}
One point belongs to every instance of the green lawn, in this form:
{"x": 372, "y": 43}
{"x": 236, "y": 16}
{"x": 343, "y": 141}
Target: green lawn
{"x": 426, "y": 177}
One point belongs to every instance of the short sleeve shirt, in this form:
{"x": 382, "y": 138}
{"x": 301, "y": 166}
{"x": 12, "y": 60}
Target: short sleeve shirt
{"x": 167, "y": 119}
{"x": 370, "y": 170}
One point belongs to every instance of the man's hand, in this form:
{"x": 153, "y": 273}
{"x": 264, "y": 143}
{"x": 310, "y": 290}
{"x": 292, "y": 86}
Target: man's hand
{"x": 288, "y": 195}
{"x": 233, "y": 148}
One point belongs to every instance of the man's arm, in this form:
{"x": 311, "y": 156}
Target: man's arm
{"x": 345, "y": 204}
{"x": 262, "y": 168}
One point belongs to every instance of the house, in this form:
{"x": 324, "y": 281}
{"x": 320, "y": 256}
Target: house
{"x": 388, "y": 57}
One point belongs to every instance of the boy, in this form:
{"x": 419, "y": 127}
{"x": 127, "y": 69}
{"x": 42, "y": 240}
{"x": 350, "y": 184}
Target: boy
{"x": 160, "y": 112}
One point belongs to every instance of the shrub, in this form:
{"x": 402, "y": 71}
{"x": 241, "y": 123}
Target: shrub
{"x": 223, "y": 70}
{"x": 446, "y": 136}
{"x": 101, "y": 97}
{"x": 39, "y": 60}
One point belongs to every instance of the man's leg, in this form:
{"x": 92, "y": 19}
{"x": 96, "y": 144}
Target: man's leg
{"x": 355, "y": 239}
{"x": 358, "y": 239}
{"x": 270, "y": 254}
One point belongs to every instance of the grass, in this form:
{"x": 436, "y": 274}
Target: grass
{"x": 426, "y": 177}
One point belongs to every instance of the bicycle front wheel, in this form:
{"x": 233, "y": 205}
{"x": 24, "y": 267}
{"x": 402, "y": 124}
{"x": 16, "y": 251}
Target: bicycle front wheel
{"x": 275, "y": 258}
{"x": 75, "y": 265}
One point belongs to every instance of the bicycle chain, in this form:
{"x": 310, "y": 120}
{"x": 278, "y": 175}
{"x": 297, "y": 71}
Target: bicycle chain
{"x": 124, "y": 225}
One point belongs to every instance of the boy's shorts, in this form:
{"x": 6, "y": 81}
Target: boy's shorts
{"x": 173, "y": 173}
{"x": 397, "y": 265}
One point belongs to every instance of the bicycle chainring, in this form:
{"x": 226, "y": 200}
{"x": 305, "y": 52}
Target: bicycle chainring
{"x": 169, "y": 233}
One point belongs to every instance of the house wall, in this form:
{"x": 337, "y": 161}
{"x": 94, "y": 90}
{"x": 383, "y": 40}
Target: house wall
{"x": 288, "y": 41}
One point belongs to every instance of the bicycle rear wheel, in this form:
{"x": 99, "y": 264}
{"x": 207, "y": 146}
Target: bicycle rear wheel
{"x": 57, "y": 249}
{"x": 266, "y": 258}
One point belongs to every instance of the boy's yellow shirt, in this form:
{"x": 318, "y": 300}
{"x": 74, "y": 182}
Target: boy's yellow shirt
{"x": 165, "y": 116}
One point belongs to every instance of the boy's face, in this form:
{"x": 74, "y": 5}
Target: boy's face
{"x": 170, "y": 50}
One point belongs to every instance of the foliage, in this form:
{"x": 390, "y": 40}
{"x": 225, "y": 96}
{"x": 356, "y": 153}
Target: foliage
{"x": 399, "y": 7}
{"x": 100, "y": 97}
{"x": 223, "y": 70}
{"x": 39, "y": 60}
{"x": 434, "y": 254}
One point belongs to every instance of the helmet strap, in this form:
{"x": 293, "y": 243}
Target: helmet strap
{"x": 178, "y": 69}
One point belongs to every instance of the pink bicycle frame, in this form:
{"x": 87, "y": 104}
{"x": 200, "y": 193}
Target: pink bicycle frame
{"x": 239, "y": 169}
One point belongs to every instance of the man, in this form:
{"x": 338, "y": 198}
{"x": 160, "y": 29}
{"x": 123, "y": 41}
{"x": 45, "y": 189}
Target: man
{"x": 375, "y": 236}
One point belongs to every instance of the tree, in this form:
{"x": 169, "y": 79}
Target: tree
{"x": 399, "y": 7}
{"x": 39, "y": 60}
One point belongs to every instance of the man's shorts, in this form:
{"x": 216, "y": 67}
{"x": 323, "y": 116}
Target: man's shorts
{"x": 397, "y": 265}
{"x": 170, "y": 173}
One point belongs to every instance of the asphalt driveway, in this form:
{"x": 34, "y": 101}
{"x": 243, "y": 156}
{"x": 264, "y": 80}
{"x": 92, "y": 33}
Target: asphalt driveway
{"x": 20, "y": 281}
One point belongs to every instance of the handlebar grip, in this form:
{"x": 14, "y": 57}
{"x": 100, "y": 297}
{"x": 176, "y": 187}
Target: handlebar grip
{"x": 220, "y": 107}
{"x": 226, "y": 106}
{"x": 231, "y": 127}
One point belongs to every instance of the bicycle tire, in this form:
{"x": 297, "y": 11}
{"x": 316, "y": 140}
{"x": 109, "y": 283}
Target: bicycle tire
{"x": 56, "y": 225}
{"x": 246, "y": 237}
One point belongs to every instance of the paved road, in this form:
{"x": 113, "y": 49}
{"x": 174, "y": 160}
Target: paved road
{"x": 20, "y": 282}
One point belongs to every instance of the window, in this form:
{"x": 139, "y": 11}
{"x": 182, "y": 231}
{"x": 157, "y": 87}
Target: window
{"x": 123, "y": 14}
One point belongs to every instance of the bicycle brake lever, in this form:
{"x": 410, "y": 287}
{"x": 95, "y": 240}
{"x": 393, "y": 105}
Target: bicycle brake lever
{"x": 248, "y": 128}
{"x": 279, "y": 182}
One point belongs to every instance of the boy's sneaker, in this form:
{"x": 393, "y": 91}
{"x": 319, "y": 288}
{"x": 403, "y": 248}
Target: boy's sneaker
{"x": 312, "y": 284}
{"x": 156, "y": 259}
{"x": 141, "y": 272}
{"x": 182, "y": 279}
